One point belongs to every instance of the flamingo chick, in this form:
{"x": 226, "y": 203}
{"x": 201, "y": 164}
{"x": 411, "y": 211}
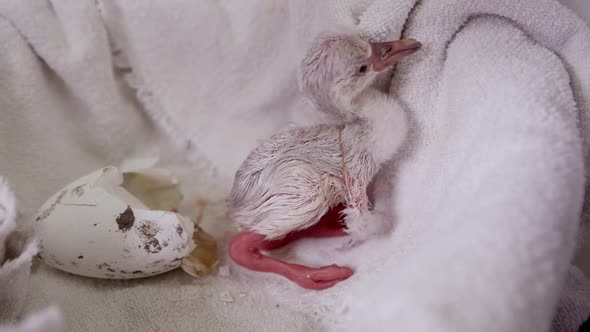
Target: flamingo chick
{"x": 299, "y": 181}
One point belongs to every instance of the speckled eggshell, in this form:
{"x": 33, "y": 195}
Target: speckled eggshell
{"x": 95, "y": 228}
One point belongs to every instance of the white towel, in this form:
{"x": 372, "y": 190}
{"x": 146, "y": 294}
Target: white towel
{"x": 580, "y": 7}
{"x": 574, "y": 305}
{"x": 17, "y": 249}
{"x": 68, "y": 109}
{"x": 488, "y": 199}
{"x": 48, "y": 320}
{"x": 485, "y": 199}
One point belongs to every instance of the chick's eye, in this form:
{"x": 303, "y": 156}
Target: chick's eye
{"x": 362, "y": 69}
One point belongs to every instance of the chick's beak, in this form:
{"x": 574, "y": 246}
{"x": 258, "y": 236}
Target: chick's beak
{"x": 384, "y": 55}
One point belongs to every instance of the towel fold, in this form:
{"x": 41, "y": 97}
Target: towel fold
{"x": 17, "y": 249}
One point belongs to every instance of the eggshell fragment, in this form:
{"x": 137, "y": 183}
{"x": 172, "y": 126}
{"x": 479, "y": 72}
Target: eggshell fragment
{"x": 94, "y": 227}
{"x": 204, "y": 257}
{"x": 155, "y": 187}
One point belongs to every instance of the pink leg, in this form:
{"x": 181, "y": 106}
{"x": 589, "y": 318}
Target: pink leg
{"x": 329, "y": 226}
{"x": 245, "y": 248}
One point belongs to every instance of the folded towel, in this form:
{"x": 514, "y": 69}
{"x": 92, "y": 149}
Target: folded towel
{"x": 573, "y": 311}
{"x": 16, "y": 253}
{"x": 48, "y": 320}
{"x": 580, "y": 7}
{"x": 82, "y": 92}
{"x": 488, "y": 198}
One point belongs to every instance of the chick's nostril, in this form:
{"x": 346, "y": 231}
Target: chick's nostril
{"x": 385, "y": 52}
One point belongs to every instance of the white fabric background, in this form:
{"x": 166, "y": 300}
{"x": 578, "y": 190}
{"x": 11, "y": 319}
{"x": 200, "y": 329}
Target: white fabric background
{"x": 581, "y": 7}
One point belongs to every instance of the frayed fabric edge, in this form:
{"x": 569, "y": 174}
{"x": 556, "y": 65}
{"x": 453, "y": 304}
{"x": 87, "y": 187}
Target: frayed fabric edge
{"x": 150, "y": 102}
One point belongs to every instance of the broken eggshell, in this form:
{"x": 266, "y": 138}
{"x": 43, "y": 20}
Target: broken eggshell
{"x": 95, "y": 227}
{"x": 203, "y": 259}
